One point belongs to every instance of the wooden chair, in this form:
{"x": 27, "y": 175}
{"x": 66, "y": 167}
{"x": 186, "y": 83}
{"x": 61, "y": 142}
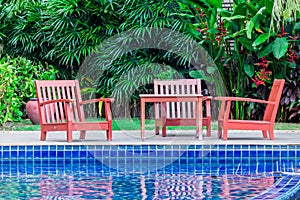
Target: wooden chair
{"x": 61, "y": 109}
{"x": 267, "y": 124}
{"x": 180, "y": 113}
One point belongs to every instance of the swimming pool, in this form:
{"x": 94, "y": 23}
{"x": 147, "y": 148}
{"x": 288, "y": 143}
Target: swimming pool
{"x": 150, "y": 172}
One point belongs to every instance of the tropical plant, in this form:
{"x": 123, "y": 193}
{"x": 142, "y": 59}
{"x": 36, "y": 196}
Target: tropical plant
{"x": 62, "y": 33}
{"x": 249, "y": 43}
{"x": 249, "y": 54}
{"x": 127, "y": 68}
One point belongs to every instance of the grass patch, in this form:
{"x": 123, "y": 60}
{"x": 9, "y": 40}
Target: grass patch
{"x": 133, "y": 124}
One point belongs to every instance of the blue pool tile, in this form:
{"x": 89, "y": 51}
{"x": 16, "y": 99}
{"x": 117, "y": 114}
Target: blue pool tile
{"x": 260, "y": 153}
{"x": 245, "y": 153}
{"x": 29, "y": 148}
{"x": 14, "y": 153}
{"x": 105, "y": 153}
{"x": 52, "y": 154}
{"x": 29, "y": 154}
{"x": 191, "y": 154}
{"x": 222, "y": 154}
{"x": 68, "y": 154}
{"x": 214, "y": 153}
{"x": 160, "y": 153}
{"x": 37, "y": 154}
{"x": 6, "y": 148}
{"x": 60, "y": 154}
{"x": 120, "y": 153}
{"x": 168, "y": 153}
{"x": 37, "y": 148}
{"x": 6, "y": 154}
{"x": 83, "y": 154}
{"x": 112, "y": 153}
{"x": 14, "y": 148}
{"x": 292, "y": 153}
{"x": 45, "y": 154}
{"x": 283, "y": 154}
{"x": 237, "y": 153}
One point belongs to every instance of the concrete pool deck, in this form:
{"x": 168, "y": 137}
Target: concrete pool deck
{"x": 174, "y": 137}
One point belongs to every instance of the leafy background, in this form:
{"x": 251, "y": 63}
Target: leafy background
{"x": 252, "y": 43}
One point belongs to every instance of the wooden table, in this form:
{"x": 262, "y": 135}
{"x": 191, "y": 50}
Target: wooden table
{"x": 154, "y": 98}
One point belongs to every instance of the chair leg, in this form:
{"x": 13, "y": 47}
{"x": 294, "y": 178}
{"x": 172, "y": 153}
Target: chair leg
{"x": 109, "y": 135}
{"x": 265, "y": 135}
{"x": 219, "y": 132}
{"x": 164, "y": 130}
{"x": 225, "y": 132}
{"x": 271, "y": 132}
{"x": 208, "y": 128}
{"x": 82, "y": 135}
{"x": 156, "y": 130}
{"x": 43, "y": 135}
{"x": 69, "y": 131}
{"x": 69, "y": 136}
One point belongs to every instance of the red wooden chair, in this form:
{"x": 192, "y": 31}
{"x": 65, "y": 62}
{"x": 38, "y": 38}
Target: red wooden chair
{"x": 267, "y": 124}
{"x": 180, "y": 113}
{"x": 61, "y": 109}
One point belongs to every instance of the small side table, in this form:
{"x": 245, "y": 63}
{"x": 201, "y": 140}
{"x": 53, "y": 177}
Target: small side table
{"x": 162, "y": 98}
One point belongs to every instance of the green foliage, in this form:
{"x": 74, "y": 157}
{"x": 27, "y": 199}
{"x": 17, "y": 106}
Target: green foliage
{"x": 249, "y": 53}
{"x": 62, "y": 33}
{"x": 17, "y": 77}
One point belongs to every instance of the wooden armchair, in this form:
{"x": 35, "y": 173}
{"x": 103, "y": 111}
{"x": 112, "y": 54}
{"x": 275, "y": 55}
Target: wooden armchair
{"x": 180, "y": 113}
{"x": 267, "y": 124}
{"x": 61, "y": 109}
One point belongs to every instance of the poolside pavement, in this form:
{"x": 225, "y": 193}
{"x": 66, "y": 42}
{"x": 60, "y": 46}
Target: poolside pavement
{"x": 174, "y": 137}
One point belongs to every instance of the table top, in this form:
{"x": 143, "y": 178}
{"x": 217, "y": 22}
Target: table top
{"x": 170, "y": 95}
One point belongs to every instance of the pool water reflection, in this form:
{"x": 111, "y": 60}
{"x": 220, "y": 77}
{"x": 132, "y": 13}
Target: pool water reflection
{"x": 148, "y": 172}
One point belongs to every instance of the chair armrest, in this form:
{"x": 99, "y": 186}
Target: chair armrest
{"x": 97, "y": 100}
{"x": 56, "y": 101}
{"x": 243, "y": 99}
{"x": 207, "y": 98}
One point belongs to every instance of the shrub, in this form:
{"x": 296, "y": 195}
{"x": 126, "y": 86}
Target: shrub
{"x": 17, "y": 77}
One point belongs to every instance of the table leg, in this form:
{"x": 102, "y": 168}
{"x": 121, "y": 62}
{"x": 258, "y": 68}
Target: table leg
{"x": 199, "y": 114}
{"x": 142, "y": 119}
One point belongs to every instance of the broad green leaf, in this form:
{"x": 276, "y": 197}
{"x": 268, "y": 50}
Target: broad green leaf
{"x": 215, "y": 3}
{"x": 249, "y": 28}
{"x": 297, "y": 26}
{"x": 280, "y": 47}
{"x": 238, "y": 33}
{"x": 256, "y": 20}
{"x": 280, "y": 75}
{"x": 200, "y": 74}
{"x": 266, "y": 51}
{"x": 249, "y": 70}
{"x": 292, "y": 65}
{"x": 224, "y": 12}
{"x": 240, "y": 8}
{"x": 261, "y": 39}
{"x": 233, "y": 17}
{"x": 246, "y": 43}
{"x": 269, "y": 5}
{"x": 197, "y": 74}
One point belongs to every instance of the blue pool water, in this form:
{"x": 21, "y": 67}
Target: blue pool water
{"x": 150, "y": 172}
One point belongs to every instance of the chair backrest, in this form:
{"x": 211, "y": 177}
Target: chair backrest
{"x": 275, "y": 94}
{"x": 54, "y": 90}
{"x": 178, "y": 87}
